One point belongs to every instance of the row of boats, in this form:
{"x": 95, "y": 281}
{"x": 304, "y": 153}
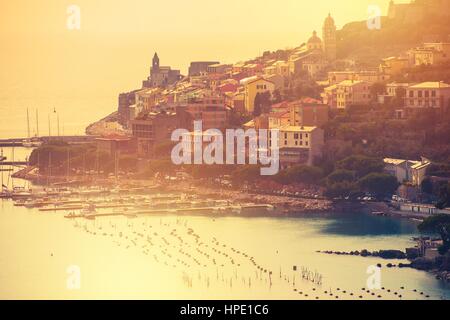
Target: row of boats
{"x": 95, "y": 202}
{"x": 24, "y": 194}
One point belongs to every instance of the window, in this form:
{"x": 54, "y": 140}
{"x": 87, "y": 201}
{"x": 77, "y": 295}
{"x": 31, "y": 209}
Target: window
{"x": 419, "y": 93}
{"x": 427, "y": 94}
{"x": 295, "y": 135}
{"x": 433, "y": 93}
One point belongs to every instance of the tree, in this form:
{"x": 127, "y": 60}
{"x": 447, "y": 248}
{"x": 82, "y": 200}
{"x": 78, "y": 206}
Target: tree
{"x": 426, "y": 186}
{"x": 380, "y": 184}
{"x": 438, "y": 224}
{"x": 248, "y": 173}
{"x": 277, "y": 96}
{"x": 340, "y": 189}
{"x": 444, "y": 197}
{"x": 361, "y": 165}
{"x": 300, "y": 174}
{"x": 341, "y": 175}
{"x": 257, "y": 105}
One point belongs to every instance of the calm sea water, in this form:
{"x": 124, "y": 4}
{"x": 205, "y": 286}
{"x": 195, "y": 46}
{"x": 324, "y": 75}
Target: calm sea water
{"x": 156, "y": 257}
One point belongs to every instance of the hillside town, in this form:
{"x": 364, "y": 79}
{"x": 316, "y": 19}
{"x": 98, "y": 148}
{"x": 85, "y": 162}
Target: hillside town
{"x": 348, "y": 129}
{"x": 304, "y": 92}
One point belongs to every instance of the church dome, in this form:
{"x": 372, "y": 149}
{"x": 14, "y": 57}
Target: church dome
{"x": 314, "y": 39}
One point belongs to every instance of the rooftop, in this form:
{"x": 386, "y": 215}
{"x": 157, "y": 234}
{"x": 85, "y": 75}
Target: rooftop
{"x": 431, "y": 85}
{"x": 394, "y": 161}
{"x": 350, "y": 83}
{"x": 298, "y": 129}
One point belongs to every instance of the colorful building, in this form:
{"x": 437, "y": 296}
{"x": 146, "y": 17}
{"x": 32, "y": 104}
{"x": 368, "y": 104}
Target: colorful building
{"x": 253, "y": 86}
{"x": 352, "y": 93}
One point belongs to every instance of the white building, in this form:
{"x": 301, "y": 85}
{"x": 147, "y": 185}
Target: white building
{"x": 428, "y": 95}
{"x": 407, "y": 171}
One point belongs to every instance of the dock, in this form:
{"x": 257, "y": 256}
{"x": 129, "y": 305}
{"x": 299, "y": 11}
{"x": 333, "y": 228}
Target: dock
{"x": 13, "y": 163}
{"x": 74, "y": 139}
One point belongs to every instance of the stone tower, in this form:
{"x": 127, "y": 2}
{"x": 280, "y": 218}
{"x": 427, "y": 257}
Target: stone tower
{"x": 155, "y": 64}
{"x": 329, "y": 38}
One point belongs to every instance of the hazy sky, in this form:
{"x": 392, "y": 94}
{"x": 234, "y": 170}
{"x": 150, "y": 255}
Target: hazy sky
{"x": 255, "y": 24}
{"x": 43, "y": 64}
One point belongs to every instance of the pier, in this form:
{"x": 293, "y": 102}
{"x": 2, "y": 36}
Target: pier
{"x": 75, "y": 139}
{"x": 13, "y": 163}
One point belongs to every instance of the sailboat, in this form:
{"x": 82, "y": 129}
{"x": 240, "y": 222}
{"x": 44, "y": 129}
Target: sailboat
{"x": 31, "y": 142}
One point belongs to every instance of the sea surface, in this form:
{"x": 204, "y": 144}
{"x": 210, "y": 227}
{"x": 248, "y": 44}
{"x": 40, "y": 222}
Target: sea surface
{"x": 44, "y": 255}
{"x": 39, "y": 253}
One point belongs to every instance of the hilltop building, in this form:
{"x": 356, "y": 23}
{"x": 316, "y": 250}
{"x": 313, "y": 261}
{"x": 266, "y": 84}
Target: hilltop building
{"x": 418, "y": 10}
{"x": 315, "y": 54}
{"x": 160, "y": 76}
{"x": 198, "y": 68}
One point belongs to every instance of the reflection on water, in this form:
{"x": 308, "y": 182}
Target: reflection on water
{"x": 368, "y": 225}
{"x": 158, "y": 257}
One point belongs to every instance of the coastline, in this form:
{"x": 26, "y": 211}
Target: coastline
{"x": 285, "y": 205}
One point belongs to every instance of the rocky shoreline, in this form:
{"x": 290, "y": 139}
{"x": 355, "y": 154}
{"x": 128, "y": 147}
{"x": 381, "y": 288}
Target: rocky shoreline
{"x": 285, "y": 204}
{"x": 439, "y": 266}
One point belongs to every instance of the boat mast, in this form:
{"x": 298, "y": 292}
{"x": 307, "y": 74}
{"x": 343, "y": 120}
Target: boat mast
{"x": 57, "y": 120}
{"x": 28, "y": 123}
{"x": 49, "y": 167}
{"x": 68, "y": 163}
{"x": 49, "y": 127}
{"x": 12, "y": 168}
{"x": 37, "y": 123}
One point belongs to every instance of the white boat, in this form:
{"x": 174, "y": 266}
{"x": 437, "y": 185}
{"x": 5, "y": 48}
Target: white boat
{"x": 29, "y": 143}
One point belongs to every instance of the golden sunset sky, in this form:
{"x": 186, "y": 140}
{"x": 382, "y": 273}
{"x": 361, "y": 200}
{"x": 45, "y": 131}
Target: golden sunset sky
{"x": 204, "y": 28}
{"x": 82, "y": 72}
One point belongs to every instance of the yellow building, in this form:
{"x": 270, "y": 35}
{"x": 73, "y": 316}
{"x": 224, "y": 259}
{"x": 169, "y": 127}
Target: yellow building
{"x": 352, "y": 93}
{"x": 300, "y": 145}
{"x": 253, "y": 86}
